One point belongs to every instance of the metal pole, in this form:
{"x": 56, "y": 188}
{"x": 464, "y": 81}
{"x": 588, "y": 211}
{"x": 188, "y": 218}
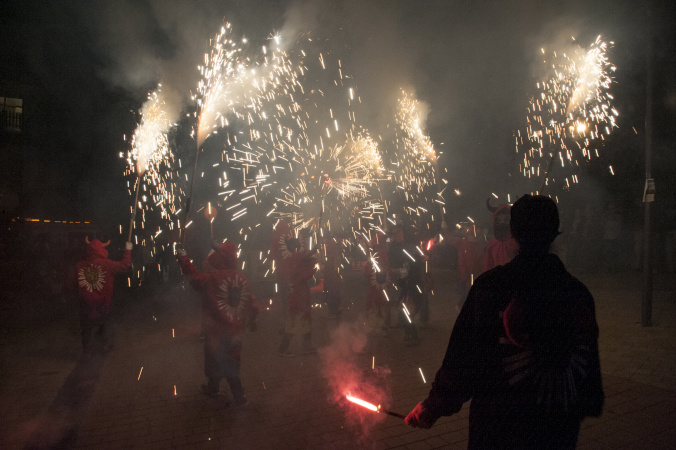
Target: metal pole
{"x": 188, "y": 202}
{"x": 133, "y": 214}
{"x": 646, "y": 304}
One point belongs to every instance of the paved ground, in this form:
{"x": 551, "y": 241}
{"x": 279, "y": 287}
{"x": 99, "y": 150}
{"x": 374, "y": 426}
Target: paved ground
{"x": 144, "y": 394}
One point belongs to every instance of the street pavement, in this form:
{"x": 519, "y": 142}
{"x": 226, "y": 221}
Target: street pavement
{"x": 145, "y": 392}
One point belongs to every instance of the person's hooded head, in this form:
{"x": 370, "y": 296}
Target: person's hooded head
{"x": 534, "y": 223}
{"x": 96, "y": 249}
{"x": 223, "y": 257}
{"x": 500, "y": 217}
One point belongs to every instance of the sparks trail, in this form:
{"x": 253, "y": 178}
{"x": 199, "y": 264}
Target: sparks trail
{"x": 286, "y": 152}
{"x": 570, "y": 116}
{"x": 414, "y": 163}
{"x": 156, "y": 185}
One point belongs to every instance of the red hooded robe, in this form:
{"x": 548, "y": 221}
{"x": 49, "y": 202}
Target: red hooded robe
{"x": 499, "y": 252}
{"x": 95, "y": 278}
{"x": 228, "y": 303}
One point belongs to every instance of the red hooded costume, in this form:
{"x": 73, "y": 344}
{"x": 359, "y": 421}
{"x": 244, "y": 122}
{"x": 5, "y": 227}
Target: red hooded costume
{"x": 279, "y": 251}
{"x": 95, "y": 278}
{"x": 301, "y": 267}
{"x": 502, "y": 248}
{"x": 228, "y": 303}
{"x": 470, "y": 257}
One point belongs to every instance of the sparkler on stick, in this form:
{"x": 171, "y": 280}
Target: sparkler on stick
{"x": 188, "y": 202}
{"x": 221, "y": 71}
{"x": 149, "y": 142}
{"x": 133, "y": 214}
{"x": 418, "y": 158}
{"x": 373, "y": 407}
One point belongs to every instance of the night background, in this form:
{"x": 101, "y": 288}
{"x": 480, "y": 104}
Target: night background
{"x": 84, "y": 70}
{"x": 75, "y": 75}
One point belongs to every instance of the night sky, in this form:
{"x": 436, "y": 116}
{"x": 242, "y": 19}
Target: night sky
{"x": 89, "y": 66}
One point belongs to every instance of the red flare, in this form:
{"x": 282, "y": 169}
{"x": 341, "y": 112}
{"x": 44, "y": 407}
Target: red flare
{"x": 363, "y": 403}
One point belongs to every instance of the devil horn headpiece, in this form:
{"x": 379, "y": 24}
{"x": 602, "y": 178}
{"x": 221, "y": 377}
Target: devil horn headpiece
{"x": 105, "y": 244}
{"x": 492, "y": 209}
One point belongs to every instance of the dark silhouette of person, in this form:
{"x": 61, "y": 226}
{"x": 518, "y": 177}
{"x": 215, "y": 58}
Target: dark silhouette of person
{"x": 524, "y": 348}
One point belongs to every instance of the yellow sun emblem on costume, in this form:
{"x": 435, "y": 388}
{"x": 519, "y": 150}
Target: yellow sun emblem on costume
{"x": 232, "y": 294}
{"x": 91, "y": 277}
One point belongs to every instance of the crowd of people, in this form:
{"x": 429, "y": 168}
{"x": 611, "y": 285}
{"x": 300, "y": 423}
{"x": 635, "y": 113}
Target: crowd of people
{"x": 524, "y": 345}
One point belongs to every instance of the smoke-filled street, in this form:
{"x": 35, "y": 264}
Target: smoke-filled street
{"x": 145, "y": 393}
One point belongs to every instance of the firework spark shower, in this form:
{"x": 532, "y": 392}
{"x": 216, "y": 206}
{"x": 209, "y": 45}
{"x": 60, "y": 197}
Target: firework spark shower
{"x": 572, "y": 113}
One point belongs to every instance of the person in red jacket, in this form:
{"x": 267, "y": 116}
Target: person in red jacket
{"x": 94, "y": 277}
{"x": 228, "y": 307}
{"x": 470, "y": 249}
{"x": 301, "y": 267}
{"x": 502, "y": 248}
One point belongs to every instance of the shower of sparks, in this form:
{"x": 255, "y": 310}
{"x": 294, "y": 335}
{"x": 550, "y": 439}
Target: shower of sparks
{"x": 153, "y": 164}
{"x": 289, "y": 146}
{"x": 571, "y": 115}
{"x": 149, "y": 143}
{"x": 285, "y": 147}
{"x": 415, "y": 163}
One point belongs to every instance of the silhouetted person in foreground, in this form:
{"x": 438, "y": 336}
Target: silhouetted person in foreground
{"x": 524, "y": 348}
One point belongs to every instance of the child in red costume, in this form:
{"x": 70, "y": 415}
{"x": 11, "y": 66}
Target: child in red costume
{"x": 280, "y": 253}
{"x": 502, "y": 248}
{"x": 95, "y": 276}
{"x": 301, "y": 267}
{"x": 228, "y": 306}
{"x": 470, "y": 249}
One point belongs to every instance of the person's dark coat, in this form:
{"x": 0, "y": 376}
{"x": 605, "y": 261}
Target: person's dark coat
{"x": 524, "y": 350}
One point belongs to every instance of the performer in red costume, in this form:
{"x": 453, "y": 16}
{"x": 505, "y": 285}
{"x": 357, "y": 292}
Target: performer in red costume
{"x": 502, "y": 248}
{"x": 280, "y": 253}
{"x": 228, "y": 307}
{"x": 301, "y": 267}
{"x": 94, "y": 280}
{"x": 470, "y": 249}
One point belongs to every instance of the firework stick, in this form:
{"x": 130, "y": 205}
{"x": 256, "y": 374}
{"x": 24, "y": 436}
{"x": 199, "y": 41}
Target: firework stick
{"x": 437, "y": 175}
{"x": 392, "y": 413}
{"x": 188, "y": 202}
{"x": 549, "y": 169}
{"x": 133, "y": 214}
